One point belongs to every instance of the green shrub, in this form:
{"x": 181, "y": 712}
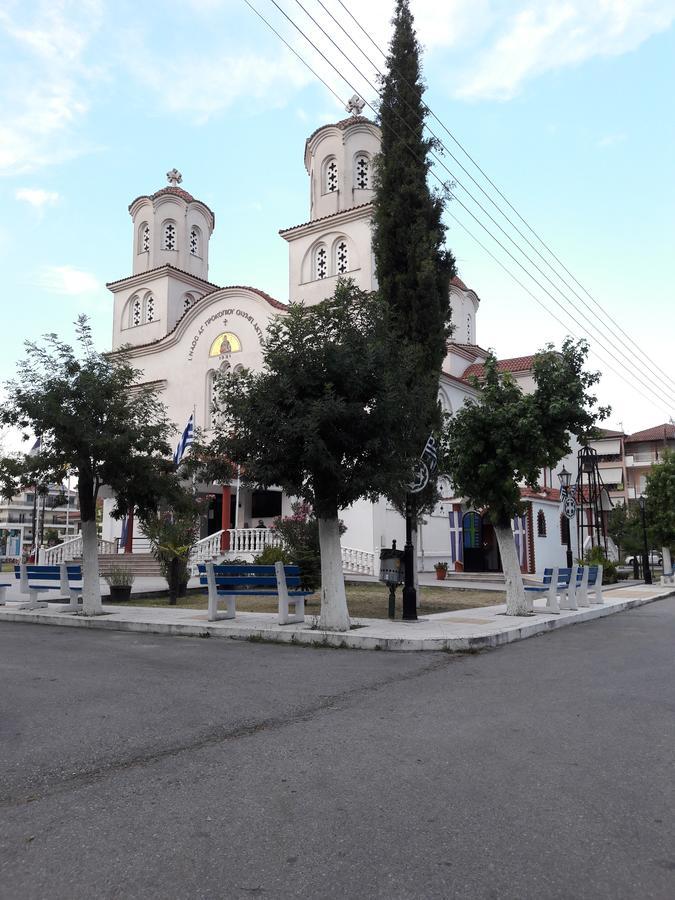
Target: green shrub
{"x": 271, "y": 555}
{"x": 596, "y": 557}
{"x": 119, "y": 576}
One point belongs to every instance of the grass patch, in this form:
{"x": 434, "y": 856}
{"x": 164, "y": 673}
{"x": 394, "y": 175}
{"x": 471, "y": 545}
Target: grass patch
{"x": 368, "y": 601}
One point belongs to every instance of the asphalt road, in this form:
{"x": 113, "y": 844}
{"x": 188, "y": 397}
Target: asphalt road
{"x": 155, "y": 767}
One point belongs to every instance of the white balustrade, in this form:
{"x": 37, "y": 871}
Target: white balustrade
{"x": 358, "y": 562}
{"x": 252, "y": 540}
{"x": 72, "y": 549}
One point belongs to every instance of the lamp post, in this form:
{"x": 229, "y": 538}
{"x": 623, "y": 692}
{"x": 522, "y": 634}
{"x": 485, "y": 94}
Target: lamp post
{"x": 564, "y": 477}
{"x": 645, "y": 554}
{"x": 409, "y": 613}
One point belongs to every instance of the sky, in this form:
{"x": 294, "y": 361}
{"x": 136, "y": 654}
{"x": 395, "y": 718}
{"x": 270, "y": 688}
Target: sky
{"x": 566, "y": 106}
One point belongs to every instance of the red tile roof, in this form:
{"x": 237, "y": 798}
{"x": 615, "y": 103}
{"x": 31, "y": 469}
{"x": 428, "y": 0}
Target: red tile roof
{"x": 607, "y": 433}
{"x": 470, "y": 348}
{"x": 665, "y": 432}
{"x": 159, "y": 269}
{"x": 458, "y": 283}
{"x": 171, "y": 190}
{"x": 343, "y": 123}
{"x": 283, "y": 231}
{"x": 547, "y": 493}
{"x": 517, "y": 364}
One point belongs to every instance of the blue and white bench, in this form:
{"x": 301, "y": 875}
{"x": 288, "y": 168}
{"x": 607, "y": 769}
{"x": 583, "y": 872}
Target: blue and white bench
{"x": 35, "y": 580}
{"x": 570, "y": 585}
{"x": 230, "y": 582}
{"x": 3, "y": 589}
{"x": 589, "y": 579}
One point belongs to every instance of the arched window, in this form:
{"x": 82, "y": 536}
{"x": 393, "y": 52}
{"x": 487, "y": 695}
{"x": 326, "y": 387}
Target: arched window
{"x": 468, "y": 328}
{"x": 169, "y": 236}
{"x": 144, "y": 238}
{"x": 330, "y": 176}
{"x": 149, "y": 308}
{"x": 188, "y": 300}
{"x": 142, "y": 310}
{"x": 362, "y": 172}
{"x": 238, "y": 368}
{"x": 195, "y": 243}
{"x": 541, "y": 524}
{"x": 341, "y": 258}
{"x": 320, "y": 261}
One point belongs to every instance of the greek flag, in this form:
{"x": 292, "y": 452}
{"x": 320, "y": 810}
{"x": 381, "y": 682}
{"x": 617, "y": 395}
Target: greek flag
{"x": 187, "y": 438}
{"x": 430, "y": 455}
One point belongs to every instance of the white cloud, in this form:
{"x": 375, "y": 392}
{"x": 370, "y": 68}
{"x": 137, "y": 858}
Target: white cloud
{"x": 544, "y": 36}
{"x": 609, "y": 140}
{"x": 44, "y": 81}
{"x": 36, "y": 197}
{"x": 68, "y": 280}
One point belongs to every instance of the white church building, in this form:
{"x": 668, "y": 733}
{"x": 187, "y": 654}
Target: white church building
{"x": 183, "y": 329}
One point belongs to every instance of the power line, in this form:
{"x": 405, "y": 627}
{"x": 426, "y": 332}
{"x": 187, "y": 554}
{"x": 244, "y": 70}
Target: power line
{"x": 628, "y": 361}
{"x": 656, "y": 370}
{"x": 567, "y": 313}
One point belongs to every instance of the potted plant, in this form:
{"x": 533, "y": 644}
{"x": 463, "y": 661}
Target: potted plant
{"x": 120, "y": 580}
{"x": 441, "y": 570}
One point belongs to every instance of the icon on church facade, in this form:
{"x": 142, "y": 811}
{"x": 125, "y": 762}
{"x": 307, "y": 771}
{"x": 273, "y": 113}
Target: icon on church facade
{"x": 225, "y": 343}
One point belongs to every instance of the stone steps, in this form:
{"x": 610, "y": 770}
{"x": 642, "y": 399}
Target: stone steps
{"x": 143, "y": 565}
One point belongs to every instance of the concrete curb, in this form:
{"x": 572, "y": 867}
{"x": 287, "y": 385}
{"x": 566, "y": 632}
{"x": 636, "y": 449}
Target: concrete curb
{"x": 364, "y": 637}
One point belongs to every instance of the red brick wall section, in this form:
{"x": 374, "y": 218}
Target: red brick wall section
{"x": 531, "y": 566}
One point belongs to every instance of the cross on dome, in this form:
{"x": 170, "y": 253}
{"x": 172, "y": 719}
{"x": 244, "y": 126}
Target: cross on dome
{"x": 174, "y": 177}
{"x": 355, "y": 105}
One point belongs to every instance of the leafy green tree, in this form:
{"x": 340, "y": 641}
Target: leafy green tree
{"x": 94, "y": 420}
{"x": 506, "y": 438}
{"x": 625, "y": 529}
{"x": 661, "y": 506}
{"x": 319, "y": 419}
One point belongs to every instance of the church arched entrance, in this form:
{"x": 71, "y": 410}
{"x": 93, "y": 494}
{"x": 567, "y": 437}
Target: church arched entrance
{"x": 481, "y": 553}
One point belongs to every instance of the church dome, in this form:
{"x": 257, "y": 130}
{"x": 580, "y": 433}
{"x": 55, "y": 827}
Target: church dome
{"x": 171, "y": 227}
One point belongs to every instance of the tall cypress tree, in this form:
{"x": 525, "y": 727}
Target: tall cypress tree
{"x": 412, "y": 265}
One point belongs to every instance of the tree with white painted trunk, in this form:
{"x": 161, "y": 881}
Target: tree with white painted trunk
{"x": 661, "y": 508}
{"x": 502, "y": 441}
{"x": 94, "y": 421}
{"x": 319, "y": 419}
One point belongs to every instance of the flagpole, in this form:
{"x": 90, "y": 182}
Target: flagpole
{"x": 236, "y": 503}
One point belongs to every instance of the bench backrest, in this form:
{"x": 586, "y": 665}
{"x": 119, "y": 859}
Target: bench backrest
{"x": 592, "y": 575}
{"x": 39, "y": 573}
{"x": 248, "y": 576}
{"x": 564, "y": 575}
{"x": 35, "y": 573}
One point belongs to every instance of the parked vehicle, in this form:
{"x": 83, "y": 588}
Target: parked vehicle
{"x": 655, "y": 558}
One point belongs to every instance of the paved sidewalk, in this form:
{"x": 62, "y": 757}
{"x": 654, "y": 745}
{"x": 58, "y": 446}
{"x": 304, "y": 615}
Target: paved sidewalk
{"x": 470, "y": 629}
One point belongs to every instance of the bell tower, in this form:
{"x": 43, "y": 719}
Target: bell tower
{"x": 170, "y": 265}
{"x": 336, "y": 241}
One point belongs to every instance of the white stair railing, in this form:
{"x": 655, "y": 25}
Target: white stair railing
{"x": 206, "y": 550}
{"x": 72, "y": 549}
{"x": 358, "y": 562}
{"x": 252, "y": 540}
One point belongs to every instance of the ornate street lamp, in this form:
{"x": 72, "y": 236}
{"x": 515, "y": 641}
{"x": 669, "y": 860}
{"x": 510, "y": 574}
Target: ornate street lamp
{"x": 564, "y": 477}
{"x": 645, "y": 553}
